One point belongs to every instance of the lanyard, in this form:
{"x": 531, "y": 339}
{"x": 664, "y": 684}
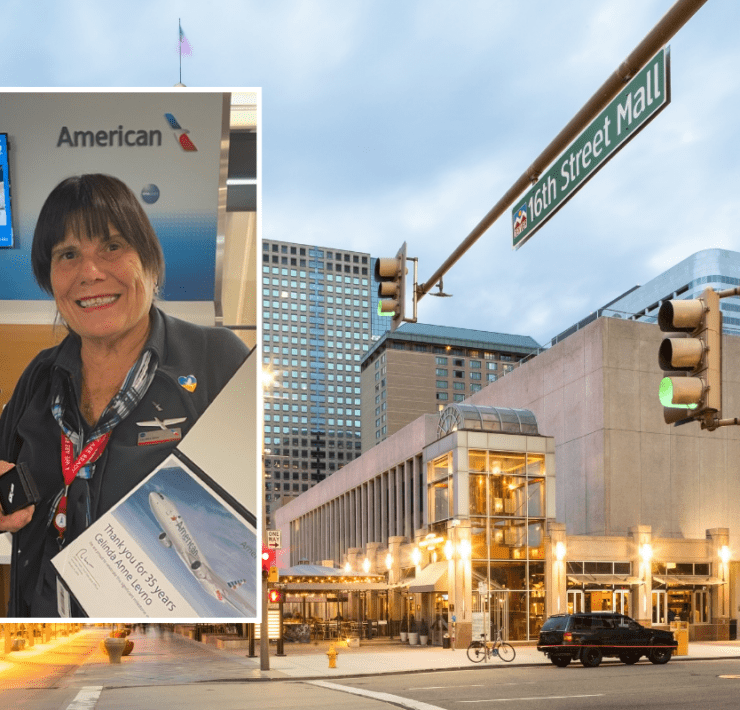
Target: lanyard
{"x": 90, "y": 453}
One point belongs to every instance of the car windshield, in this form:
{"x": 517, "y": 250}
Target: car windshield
{"x": 555, "y": 623}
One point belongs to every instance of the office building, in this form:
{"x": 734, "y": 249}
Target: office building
{"x": 419, "y": 369}
{"x": 715, "y": 268}
{"x": 316, "y": 325}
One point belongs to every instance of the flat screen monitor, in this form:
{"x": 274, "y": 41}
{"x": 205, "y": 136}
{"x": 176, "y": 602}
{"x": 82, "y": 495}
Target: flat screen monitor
{"x": 6, "y": 222}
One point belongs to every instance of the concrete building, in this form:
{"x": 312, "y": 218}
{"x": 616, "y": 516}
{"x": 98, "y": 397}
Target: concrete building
{"x": 419, "y": 369}
{"x": 622, "y": 512}
{"x": 316, "y": 326}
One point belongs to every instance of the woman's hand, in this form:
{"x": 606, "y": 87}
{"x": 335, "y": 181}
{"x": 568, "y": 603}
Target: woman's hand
{"x": 15, "y": 521}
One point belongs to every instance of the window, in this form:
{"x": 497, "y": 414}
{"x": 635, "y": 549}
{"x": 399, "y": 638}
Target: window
{"x": 458, "y": 385}
{"x": 441, "y": 360}
{"x": 491, "y": 366}
{"x": 442, "y": 396}
{"x": 441, "y": 372}
{"x": 475, "y": 375}
{"x": 441, "y": 384}
{"x": 474, "y": 364}
{"x": 460, "y": 374}
{"x": 458, "y": 362}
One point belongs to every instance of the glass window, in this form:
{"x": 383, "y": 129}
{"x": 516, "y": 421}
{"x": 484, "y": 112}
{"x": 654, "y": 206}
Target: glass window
{"x": 441, "y": 372}
{"x": 474, "y": 364}
{"x": 441, "y": 384}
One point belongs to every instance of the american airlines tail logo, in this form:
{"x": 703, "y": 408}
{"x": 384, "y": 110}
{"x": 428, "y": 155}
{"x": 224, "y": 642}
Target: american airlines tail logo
{"x": 181, "y": 134}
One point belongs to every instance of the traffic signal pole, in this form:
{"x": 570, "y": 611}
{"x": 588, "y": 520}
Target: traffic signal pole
{"x": 678, "y": 15}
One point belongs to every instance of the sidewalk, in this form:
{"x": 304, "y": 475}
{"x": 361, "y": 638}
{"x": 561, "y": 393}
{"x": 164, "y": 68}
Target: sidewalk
{"x": 172, "y": 659}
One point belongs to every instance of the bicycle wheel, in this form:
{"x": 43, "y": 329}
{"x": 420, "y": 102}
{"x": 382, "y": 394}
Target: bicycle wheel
{"x": 506, "y": 652}
{"x": 476, "y": 652}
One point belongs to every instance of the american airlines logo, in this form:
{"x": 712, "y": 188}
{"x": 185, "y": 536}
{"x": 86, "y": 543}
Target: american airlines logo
{"x": 181, "y": 134}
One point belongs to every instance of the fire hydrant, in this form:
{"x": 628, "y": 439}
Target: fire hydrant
{"x": 332, "y": 653}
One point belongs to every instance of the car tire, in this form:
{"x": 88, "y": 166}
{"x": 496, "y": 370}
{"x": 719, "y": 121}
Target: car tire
{"x": 561, "y": 661}
{"x": 629, "y": 658}
{"x": 591, "y": 656}
{"x": 661, "y": 655}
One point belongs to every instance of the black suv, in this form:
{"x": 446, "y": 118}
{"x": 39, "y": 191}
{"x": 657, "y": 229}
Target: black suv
{"x": 590, "y": 637}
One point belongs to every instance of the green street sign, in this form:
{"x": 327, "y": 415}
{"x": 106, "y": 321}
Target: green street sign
{"x": 647, "y": 93}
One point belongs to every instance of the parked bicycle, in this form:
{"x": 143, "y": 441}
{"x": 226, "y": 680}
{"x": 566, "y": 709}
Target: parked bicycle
{"x": 479, "y": 650}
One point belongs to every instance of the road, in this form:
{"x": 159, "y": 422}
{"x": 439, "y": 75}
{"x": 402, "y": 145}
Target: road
{"x": 612, "y": 686}
{"x": 68, "y": 677}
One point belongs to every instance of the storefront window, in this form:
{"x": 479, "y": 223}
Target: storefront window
{"x": 477, "y": 494}
{"x": 508, "y": 575}
{"x": 478, "y": 539}
{"x": 440, "y": 500}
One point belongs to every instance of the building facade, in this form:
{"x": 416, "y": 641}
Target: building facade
{"x": 419, "y": 369}
{"x": 621, "y": 512}
{"x": 316, "y": 326}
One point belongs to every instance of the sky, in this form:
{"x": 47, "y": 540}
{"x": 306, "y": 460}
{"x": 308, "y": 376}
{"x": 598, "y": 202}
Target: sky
{"x": 407, "y": 120}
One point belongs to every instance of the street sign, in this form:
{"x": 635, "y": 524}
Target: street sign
{"x": 273, "y": 539}
{"x": 648, "y": 93}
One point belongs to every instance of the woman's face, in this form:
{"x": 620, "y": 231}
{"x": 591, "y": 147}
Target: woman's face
{"x": 100, "y": 286}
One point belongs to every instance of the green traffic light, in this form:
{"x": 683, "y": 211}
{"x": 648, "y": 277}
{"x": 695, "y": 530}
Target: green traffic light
{"x": 665, "y": 393}
{"x": 380, "y": 312}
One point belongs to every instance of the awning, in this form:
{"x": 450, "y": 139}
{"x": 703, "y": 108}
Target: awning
{"x": 604, "y": 579}
{"x": 688, "y": 579}
{"x": 321, "y": 587}
{"x": 433, "y": 578}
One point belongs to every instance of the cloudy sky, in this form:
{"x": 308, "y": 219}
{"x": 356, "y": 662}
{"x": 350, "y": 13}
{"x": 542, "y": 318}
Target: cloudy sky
{"x": 407, "y": 120}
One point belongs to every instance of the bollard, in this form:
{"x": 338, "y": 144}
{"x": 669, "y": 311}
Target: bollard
{"x": 332, "y": 653}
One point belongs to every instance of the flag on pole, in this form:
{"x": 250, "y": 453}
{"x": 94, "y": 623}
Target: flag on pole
{"x": 183, "y": 46}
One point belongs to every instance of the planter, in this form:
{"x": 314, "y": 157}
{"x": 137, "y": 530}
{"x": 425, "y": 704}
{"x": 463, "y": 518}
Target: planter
{"x": 413, "y": 638}
{"x": 423, "y": 640}
{"x": 404, "y": 636}
{"x": 114, "y": 647}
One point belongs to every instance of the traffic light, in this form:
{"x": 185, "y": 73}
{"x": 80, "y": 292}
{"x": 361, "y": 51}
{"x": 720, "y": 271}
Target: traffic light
{"x": 274, "y": 596}
{"x": 391, "y": 273}
{"x": 698, "y": 394}
{"x": 269, "y": 564}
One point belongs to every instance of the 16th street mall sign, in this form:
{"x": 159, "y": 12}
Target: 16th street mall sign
{"x": 642, "y": 99}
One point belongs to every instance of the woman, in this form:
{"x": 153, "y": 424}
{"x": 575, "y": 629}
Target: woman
{"x": 78, "y": 415}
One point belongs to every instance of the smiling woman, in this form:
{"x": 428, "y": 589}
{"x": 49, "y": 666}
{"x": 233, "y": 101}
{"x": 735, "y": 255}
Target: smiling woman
{"x": 74, "y": 414}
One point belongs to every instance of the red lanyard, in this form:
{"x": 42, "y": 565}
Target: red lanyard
{"x": 70, "y": 467}
{"x": 89, "y": 454}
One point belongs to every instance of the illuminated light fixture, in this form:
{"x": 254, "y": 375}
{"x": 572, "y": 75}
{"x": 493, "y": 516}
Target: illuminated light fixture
{"x": 389, "y": 561}
{"x": 366, "y": 565}
{"x": 416, "y": 556}
{"x": 348, "y": 568}
{"x": 560, "y": 551}
{"x": 449, "y": 549}
{"x": 725, "y": 554}
{"x": 431, "y": 541}
{"x": 464, "y": 549}
{"x": 646, "y": 552}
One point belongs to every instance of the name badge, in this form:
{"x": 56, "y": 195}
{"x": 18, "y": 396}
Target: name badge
{"x": 159, "y": 436}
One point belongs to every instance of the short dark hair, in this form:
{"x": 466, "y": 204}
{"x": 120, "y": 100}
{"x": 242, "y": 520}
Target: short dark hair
{"x": 88, "y": 204}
